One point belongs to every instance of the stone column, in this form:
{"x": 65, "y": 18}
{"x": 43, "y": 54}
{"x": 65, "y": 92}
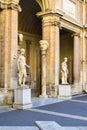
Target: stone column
{"x": 76, "y": 62}
{"x": 9, "y": 34}
{"x": 84, "y": 60}
{"x": 43, "y": 46}
{"x": 50, "y": 32}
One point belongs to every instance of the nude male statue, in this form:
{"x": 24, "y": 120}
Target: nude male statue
{"x": 21, "y": 63}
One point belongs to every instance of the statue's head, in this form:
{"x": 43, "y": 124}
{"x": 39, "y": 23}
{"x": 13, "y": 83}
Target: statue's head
{"x": 20, "y": 37}
{"x": 65, "y": 59}
{"x": 22, "y": 51}
{"x": 43, "y": 45}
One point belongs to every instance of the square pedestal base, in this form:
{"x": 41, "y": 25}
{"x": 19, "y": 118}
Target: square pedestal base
{"x": 64, "y": 92}
{"x": 22, "y": 98}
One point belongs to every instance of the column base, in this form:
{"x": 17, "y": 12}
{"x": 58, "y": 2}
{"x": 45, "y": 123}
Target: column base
{"x": 22, "y": 106}
{"x": 76, "y": 88}
{"x": 43, "y": 96}
{"x": 85, "y": 88}
{"x": 52, "y": 90}
{"x": 10, "y": 96}
{"x": 64, "y": 92}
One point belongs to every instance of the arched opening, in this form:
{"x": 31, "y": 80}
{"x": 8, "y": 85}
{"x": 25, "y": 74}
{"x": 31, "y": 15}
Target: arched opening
{"x": 66, "y": 50}
{"x": 30, "y": 26}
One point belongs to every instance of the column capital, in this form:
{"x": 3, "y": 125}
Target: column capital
{"x": 10, "y": 5}
{"x": 50, "y": 18}
{"x": 76, "y": 34}
{"x": 51, "y": 21}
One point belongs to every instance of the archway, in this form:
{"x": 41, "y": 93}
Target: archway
{"x": 67, "y": 50}
{"x": 30, "y": 26}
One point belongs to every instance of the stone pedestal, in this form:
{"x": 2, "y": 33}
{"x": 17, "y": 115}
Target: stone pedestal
{"x": 64, "y": 91}
{"x": 22, "y": 98}
{"x": 86, "y": 88}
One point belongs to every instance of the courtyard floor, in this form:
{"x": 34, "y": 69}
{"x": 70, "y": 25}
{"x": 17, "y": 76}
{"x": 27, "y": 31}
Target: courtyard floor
{"x": 67, "y": 115}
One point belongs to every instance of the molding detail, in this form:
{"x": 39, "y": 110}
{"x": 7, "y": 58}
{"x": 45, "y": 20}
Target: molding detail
{"x": 56, "y": 23}
{"x": 44, "y": 4}
{"x": 2, "y": 6}
{"x": 76, "y": 34}
{"x": 14, "y": 7}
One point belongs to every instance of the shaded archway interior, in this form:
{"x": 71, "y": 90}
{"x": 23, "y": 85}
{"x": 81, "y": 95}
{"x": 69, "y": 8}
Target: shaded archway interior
{"x": 66, "y": 50}
{"x": 28, "y": 21}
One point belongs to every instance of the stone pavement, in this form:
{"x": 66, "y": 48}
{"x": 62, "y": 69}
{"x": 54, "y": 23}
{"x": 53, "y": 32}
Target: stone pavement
{"x": 60, "y": 115}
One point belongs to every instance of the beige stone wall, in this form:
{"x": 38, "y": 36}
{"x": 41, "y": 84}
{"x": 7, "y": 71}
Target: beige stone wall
{"x": 52, "y": 22}
{"x": 58, "y": 5}
{"x": 9, "y": 47}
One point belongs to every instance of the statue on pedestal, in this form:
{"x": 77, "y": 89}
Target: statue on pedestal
{"x": 64, "y": 71}
{"x": 21, "y": 63}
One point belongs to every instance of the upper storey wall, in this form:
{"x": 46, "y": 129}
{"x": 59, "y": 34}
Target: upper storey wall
{"x": 71, "y": 8}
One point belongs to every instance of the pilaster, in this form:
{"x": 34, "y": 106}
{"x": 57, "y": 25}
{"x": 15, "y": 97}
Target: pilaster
{"x": 8, "y": 44}
{"x": 84, "y": 58}
{"x": 76, "y": 63}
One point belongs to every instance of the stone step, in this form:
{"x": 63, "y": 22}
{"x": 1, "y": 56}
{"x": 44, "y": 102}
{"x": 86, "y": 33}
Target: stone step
{"x": 18, "y": 128}
{"x": 36, "y": 102}
{"x": 46, "y": 125}
{"x": 52, "y": 125}
{"x": 4, "y": 108}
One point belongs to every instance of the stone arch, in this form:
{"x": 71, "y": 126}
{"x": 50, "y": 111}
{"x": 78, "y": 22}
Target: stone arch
{"x": 31, "y": 28}
{"x": 44, "y": 4}
{"x": 28, "y": 20}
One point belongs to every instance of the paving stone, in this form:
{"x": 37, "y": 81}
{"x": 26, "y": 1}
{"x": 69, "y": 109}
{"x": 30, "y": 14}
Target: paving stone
{"x": 18, "y": 128}
{"x": 72, "y": 128}
{"x": 46, "y": 125}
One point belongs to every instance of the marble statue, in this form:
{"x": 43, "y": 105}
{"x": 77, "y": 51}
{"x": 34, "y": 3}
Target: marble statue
{"x": 64, "y": 71}
{"x": 43, "y": 45}
{"x": 21, "y": 63}
{"x": 20, "y": 38}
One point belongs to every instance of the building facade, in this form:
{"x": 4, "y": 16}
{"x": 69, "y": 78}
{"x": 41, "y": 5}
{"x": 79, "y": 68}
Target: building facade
{"x": 63, "y": 24}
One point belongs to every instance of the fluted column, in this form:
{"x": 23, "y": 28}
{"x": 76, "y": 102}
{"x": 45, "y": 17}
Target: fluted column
{"x": 43, "y": 46}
